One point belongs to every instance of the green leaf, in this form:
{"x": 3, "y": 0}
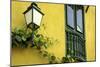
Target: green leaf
{"x": 23, "y": 38}
{"x": 45, "y": 45}
{"x": 18, "y": 38}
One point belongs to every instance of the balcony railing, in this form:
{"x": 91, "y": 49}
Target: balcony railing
{"x": 75, "y": 45}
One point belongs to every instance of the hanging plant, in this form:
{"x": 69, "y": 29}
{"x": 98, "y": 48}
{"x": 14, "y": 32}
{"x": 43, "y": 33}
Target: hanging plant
{"x": 22, "y": 38}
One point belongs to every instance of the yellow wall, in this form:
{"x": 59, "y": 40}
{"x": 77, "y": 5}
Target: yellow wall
{"x": 53, "y": 22}
{"x": 90, "y": 33}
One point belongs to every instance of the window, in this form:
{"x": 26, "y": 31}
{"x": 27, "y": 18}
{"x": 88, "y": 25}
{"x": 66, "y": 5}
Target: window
{"x": 70, "y": 14}
{"x": 79, "y": 20}
{"x": 75, "y": 39}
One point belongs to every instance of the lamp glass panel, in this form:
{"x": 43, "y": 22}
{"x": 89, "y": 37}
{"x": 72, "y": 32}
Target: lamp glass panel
{"x": 37, "y": 17}
{"x": 79, "y": 20}
{"x": 28, "y": 16}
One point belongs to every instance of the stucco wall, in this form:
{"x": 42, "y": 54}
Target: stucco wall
{"x": 90, "y": 33}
